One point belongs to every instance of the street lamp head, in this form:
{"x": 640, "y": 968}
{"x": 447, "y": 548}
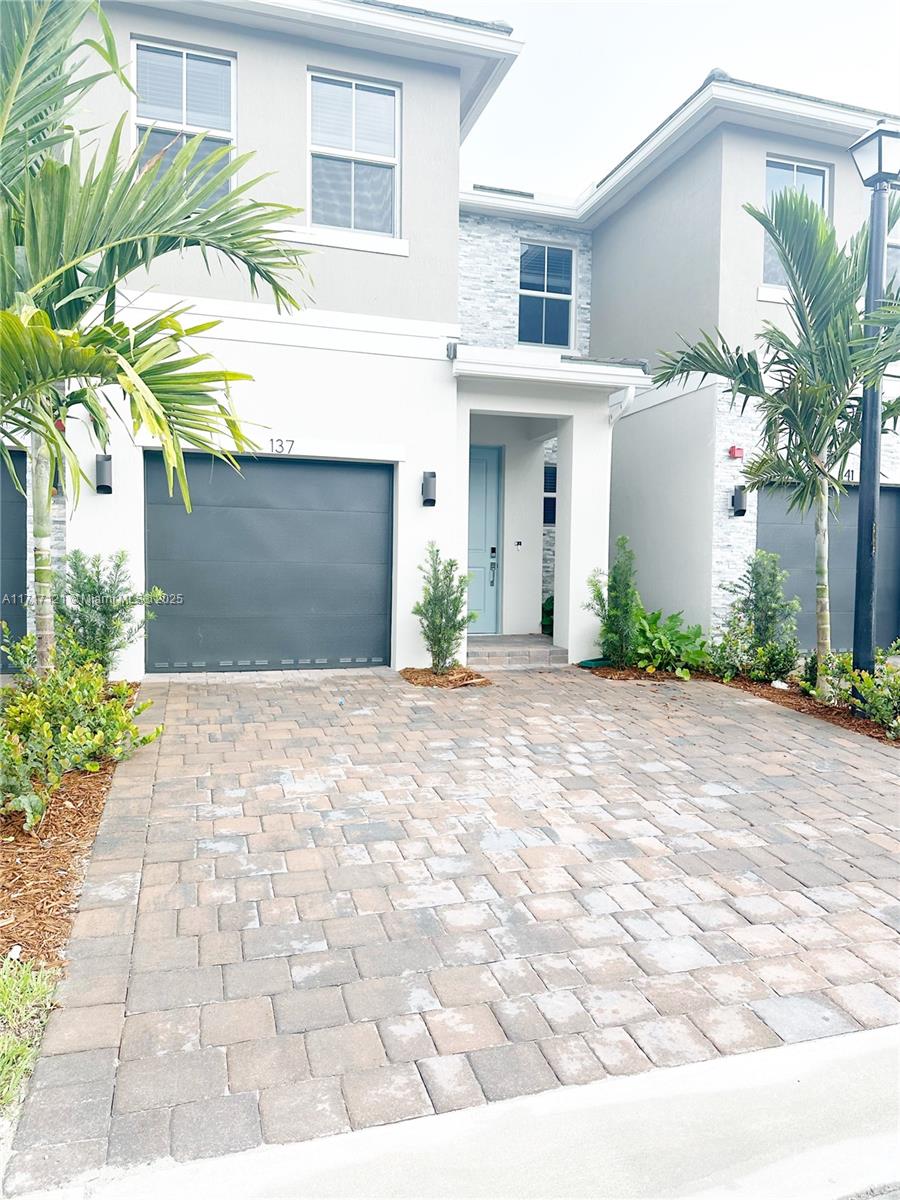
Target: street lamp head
{"x": 877, "y": 155}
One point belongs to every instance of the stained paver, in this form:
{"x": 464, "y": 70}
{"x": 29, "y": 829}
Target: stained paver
{"x": 331, "y": 900}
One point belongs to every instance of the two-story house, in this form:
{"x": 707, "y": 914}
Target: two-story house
{"x": 668, "y": 252}
{"x": 380, "y": 428}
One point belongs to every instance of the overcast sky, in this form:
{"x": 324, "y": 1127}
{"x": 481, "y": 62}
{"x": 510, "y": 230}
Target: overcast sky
{"x": 595, "y": 76}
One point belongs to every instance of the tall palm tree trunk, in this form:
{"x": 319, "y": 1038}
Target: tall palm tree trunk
{"x": 823, "y": 603}
{"x": 41, "y": 526}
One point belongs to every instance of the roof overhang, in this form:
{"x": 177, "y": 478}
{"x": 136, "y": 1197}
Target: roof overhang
{"x": 522, "y": 365}
{"x": 482, "y": 52}
{"x": 719, "y": 101}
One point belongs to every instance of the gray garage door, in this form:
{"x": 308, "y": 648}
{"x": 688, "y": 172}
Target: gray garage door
{"x": 286, "y": 565}
{"x": 791, "y": 535}
{"x": 13, "y": 551}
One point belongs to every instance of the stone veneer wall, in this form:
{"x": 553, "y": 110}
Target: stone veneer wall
{"x": 489, "y": 277}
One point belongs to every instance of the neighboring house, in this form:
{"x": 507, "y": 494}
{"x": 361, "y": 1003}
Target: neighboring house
{"x": 310, "y": 557}
{"x": 673, "y": 253}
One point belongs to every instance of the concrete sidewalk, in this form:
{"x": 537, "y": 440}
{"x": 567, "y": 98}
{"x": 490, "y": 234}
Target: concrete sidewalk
{"x": 813, "y": 1121}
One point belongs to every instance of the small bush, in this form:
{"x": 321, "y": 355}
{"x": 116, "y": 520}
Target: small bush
{"x": 615, "y": 600}
{"x": 663, "y": 645}
{"x": 759, "y": 640}
{"x": 442, "y": 609}
{"x": 875, "y": 694}
{"x": 95, "y": 604}
{"x": 547, "y": 617}
{"x": 69, "y": 718}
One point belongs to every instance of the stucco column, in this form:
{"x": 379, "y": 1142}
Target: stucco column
{"x": 582, "y": 524}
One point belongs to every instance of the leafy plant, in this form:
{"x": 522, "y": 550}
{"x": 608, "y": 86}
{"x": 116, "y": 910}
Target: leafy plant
{"x": 547, "y": 616}
{"x": 94, "y": 601}
{"x": 875, "y": 694}
{"x": 63, "y": 719}
{"x": 806, "y": 380}
{"x": 615, "y": 600}
{"x": 760, "y": 637}
{"x": 662, "y": 644}
{"x": 442, "y": 610}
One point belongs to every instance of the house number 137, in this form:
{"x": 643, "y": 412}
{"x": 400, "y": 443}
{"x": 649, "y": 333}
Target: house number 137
{"x": 281, "y": 445}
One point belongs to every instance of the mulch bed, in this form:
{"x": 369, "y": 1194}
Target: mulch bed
{"x": 793, "y": 697}
{"x": 41, "y": 872}
{"x": 456, "y": 677}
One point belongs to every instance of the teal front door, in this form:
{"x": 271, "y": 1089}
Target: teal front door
{"x": 484, "y": 538}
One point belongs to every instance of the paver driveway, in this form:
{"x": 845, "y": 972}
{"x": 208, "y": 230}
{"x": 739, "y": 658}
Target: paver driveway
{"x": 328, "y": 902}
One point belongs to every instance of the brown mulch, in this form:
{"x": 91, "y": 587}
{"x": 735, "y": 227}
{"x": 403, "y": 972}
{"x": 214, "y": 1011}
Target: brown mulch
{"x": 793, "y": 697}
{"x": 456, "y": 677}
{"x": 41, "y": 872}
{"x": 799, "y": 701}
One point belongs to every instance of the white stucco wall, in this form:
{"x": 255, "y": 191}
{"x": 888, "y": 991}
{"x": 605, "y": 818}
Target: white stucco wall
{"x": 665, "y": 491}
{"x": 359, "y": 390}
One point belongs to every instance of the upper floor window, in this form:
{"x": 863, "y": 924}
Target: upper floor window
{"x": 181, "y": 93}
{"x": 354, "y": 154}
{"x": 781, "y": 174}
{"x": 545, "y": 295}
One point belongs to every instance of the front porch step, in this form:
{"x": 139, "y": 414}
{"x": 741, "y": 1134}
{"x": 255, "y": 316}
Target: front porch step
{"x": 517, "y": 651}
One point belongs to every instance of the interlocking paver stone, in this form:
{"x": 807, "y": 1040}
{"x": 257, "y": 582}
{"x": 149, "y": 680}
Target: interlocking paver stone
{"x": 300, "y": 1111}
{"x": 497, "y": 890}
{"x": 802, "y": 1018}
{"x": 208, "y": 1128}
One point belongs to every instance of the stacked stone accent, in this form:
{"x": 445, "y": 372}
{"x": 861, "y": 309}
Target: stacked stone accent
{"x": 489, "y": 249}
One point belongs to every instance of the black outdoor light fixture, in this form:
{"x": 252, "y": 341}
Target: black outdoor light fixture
{"x": 877, "y": 158}
{"x": 103, "y": 474}
{"x": 739, "y": 501}
{"x": 429, "y": 488}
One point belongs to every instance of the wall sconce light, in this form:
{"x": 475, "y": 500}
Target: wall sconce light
{"x": 739, "y": 501}
{"x": 451, "y": 350}
{"x": 429, "y": 488}
{"x": 103, "y": 474}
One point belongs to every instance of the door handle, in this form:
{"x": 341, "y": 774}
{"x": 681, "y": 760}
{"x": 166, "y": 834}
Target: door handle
{"x": 493, "y": 574}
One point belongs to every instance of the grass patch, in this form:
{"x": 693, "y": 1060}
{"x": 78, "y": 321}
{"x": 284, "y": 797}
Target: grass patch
{"x": 26, "y": 997}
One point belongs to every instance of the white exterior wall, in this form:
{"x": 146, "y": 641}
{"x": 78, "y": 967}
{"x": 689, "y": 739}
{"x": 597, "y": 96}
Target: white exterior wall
{"x": 340, "y": 388}
{"x": 665, "y": 490}
{"x": 489, "y": 249}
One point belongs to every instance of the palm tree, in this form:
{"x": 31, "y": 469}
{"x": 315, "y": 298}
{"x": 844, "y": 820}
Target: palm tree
{"x": 806, "y": 381}
{"x": 70, "y": 236}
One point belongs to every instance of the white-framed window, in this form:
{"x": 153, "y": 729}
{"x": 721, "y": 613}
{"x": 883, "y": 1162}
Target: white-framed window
{"x": 181, "y": 92}
{"x": 546, "y": 276}
{"x": 354, "y": 154}
{"x": 549, "y": 493}
{"x": 781, "y": 174}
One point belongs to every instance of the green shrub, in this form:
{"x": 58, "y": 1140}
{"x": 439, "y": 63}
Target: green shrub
{"x": 875, "y": 694}
{"x": 663, "y": 645}
{"x": 615, "y": 600}
{"x": 547, "y": 617}
{"x": 69, "y": 718}
{"x": 442, "y": 609}
{"x": 759, "y": 640}
{"x": 95, "y": 603}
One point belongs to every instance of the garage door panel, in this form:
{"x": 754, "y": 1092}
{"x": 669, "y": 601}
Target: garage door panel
{"x": 287, "y": 565}
{"x": 279, "y": 535}
{"x": 347, "y": 589}
{"x": 276, "y": 483}
{"x": 791, "y": 535}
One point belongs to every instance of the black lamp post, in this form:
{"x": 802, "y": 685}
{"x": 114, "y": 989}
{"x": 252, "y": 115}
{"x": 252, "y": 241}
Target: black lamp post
{"x": 877, "y": 158}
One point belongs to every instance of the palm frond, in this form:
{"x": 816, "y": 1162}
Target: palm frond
{"x": 712, "y": 356}
{"x": 42, "y": 56}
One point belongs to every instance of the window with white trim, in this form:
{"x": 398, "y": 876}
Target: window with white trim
{"x": 545, "y": 295}
{"x": 782, "y": 174}
{"x": 180, "y": 93}
{"x": 549, "y": 493}
{"x": 354, "y": 154}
